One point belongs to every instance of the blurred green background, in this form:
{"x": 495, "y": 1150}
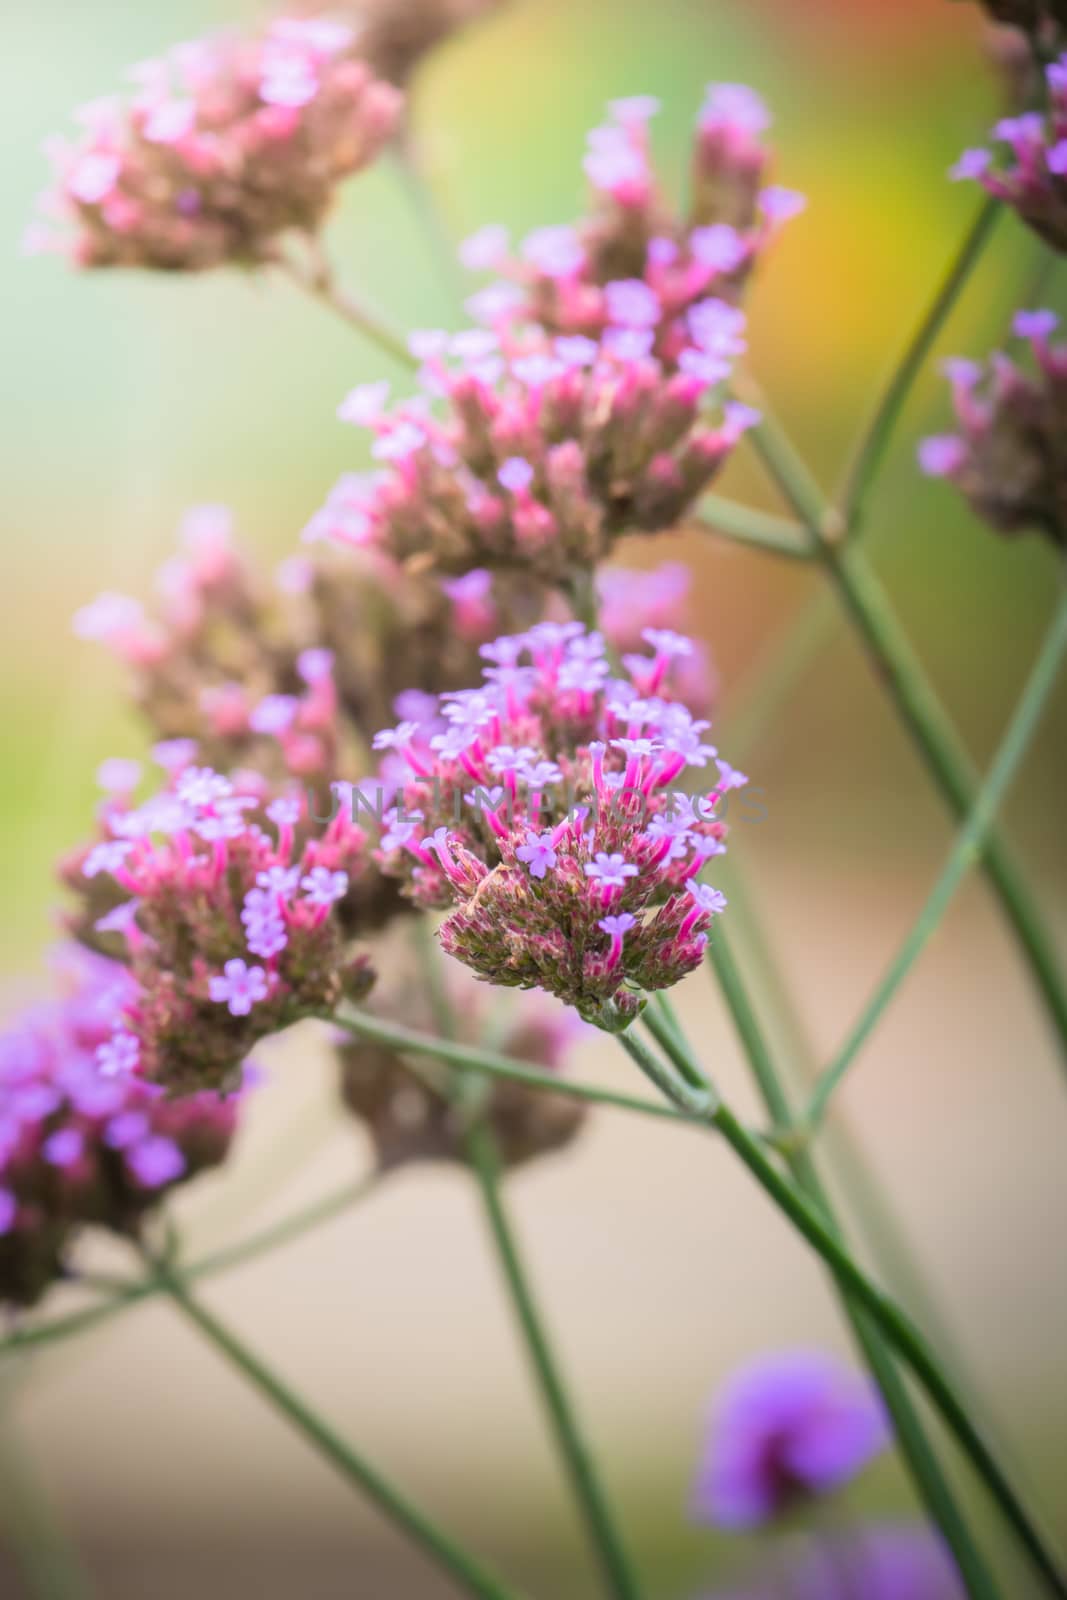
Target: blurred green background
{"x": 128, "y": 398}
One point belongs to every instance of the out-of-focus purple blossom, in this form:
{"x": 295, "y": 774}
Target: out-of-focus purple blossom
{"x": 83, "y": 1141}
{"x": 785, "y": 1428}
{"x": 1009, "y": 456}
{"x": 225, "y": 145}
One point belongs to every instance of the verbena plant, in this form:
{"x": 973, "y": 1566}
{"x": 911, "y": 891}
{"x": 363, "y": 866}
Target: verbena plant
{"x": 449, "y": 721}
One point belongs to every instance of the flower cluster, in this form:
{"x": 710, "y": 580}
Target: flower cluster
{"x": 1032, "y": 176}
{"x": 235, "y": 918}
{"x": 634, "y": 270}
{"x": 786, "y": 1428}
{"x": 82, "y": 1139}
{"x": 408, "y": 1108}
{"x": 1008, "y": 458}
{"x": 543, "y": 813}
{"x": 291, "y": 679}
{"x": 226, "y": 144}
{"x": 545, "y": 452}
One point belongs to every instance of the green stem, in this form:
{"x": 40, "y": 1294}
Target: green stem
{"x": 898, "y": 1330}
{"x": 469, "y": 1575}
{"x": 966, "y": 851}
{"x": 322, "y": 285}
{"x": 258, "y": 1244}
{"x": 874, "y": 441}
{"x": 615, "y": 1565}
{"x": 469, "y": 1099}
{"x": 930, "y": 1482}
{"x": 868, "y": 1201}
{"x": 407, "y": 1041}
{"x": 45, "y": 1556}
{"x": 759, "y": 530}
{"x": 899, "y": 669}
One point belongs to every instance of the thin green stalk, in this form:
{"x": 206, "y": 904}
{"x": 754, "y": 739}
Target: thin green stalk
{"x": 897, "y": 1328}
{"x": 44, "y": 1554}
{"x": 965, "y": 853}
{"x": 760, "y": 530}
{"x": 467, "y": 1572}
{"x": 900, "y": 671}
{"x": 407, "y": 1041}
{"x": 874, "y": 440}
{"x": 469, "y": 1099}
{"x": 930, "y": 1482}
{"x": 615, "y": 1565}
{"x": 322, "y": 285}
{"x": 261, "y": 1243}
{"x": 867, "y": 1199}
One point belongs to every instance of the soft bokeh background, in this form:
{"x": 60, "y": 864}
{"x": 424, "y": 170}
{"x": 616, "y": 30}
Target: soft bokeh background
{"x": 127, "y": 399}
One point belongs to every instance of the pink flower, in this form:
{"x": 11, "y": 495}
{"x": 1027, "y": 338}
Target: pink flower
{"x": 538, "y": 854}
{"x": 239, "y": 987}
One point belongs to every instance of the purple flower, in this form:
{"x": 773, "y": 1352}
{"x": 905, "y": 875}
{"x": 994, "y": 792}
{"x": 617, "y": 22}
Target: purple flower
{"x": 118, "y": 1055}
{"x": 734, "y": 105}
{"x": 780, "y": 204}
{"x": 555, "y": 251}
{"x": 397, "y": 738}
{"x": 126, "y": 1129}
{"x": 705, "y": 898}
{"x": 107, "y": 857}
{"x": 538, "y": 854}
{"x": 64, "y": 1148}
{"x": 615, "y": 927}
{"x": 314, "y": 664}
{"x": 971, "y": 164}
{"x": 323, "y": 887}
{"x": 611, "y": 871}
{"x": 239, "y": 987}
{"x": 9, "y": 1207}
{"x": 118, "y": 775}
{"x": 485, "y": 249}
{"x": 403, "y": 439}
{"x": 516, "y": 474}
{"x": 364, "y": 405}
{"x": 284, "y": 813}
{"x": 277, "y": 881}
{"x": 107, "y": 617}
{"x": 630, "y": 303}
{"x": 1034, "y": 324}
{"x": 265, "y": 934}
{"x": 718, "y": 247}
{"x": 785, "y": 1427}
{"x": 941, "y": 455}
{"x": 155, "y": 1162}
{"x": 274, "y": 714}
{"x": 539, "y": 774}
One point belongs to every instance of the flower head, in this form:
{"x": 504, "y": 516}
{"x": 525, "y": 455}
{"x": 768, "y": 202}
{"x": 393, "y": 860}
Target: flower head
{"x": 785, "y": 1428}
{"x": 628, "y": 274}
{"x": 84, "y": 1140}
{"x": 1026, "y": 163}
{"x": 1008, "y": 457}
{"x": 226, "y": 144}
{"x": 584, "y": 886}
{"x": 531, "y": 461}
{"x": 242, "y": 921}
